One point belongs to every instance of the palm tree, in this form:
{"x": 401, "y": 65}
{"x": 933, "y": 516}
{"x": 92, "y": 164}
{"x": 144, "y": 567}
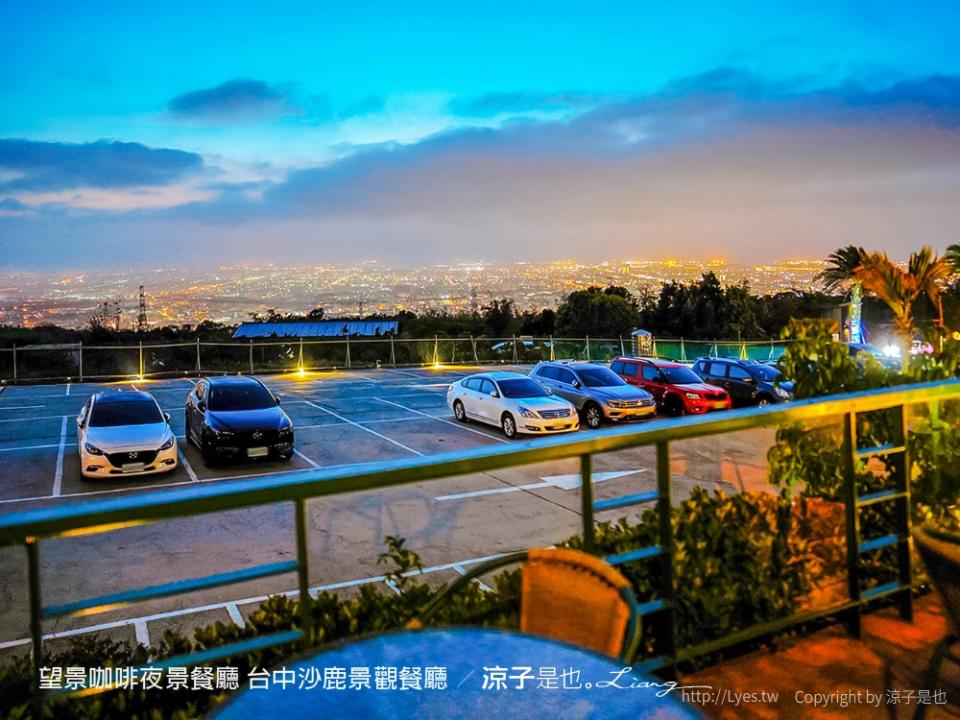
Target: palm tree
{"x": 900, "y": 287}
{"x": 840, "y": 275}
{"x": 952, "y": 257}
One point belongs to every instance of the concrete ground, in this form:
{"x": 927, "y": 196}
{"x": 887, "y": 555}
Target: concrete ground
{"x": 341, "y": 418}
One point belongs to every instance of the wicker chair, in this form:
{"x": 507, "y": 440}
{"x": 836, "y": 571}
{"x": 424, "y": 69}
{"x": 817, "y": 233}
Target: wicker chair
{"x": 942, "y": 560}
{"x": 566, "y": 595}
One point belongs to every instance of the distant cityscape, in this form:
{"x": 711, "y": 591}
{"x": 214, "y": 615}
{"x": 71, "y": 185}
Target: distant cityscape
{"x": 230, "y": 294}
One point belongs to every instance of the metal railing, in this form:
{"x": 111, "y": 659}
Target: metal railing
{"x": 80, "y": 362}
{"x": 29, "y": 528}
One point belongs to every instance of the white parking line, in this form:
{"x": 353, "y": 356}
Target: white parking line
{"x": 304, "y": 457}
{"x": 68, "y": 389}
{"x": 234, "y": 612}
{"x": 29, "y": 447}
{"x": 235, "y": 603}
{"x": 58, "y": 475}
{"x": 462, "y": 426}
{"x": 187, "y": 466}
{"x": 563, "y": 482}
{"x": 365, "y": 429}
{"x": 143, "y": 636}
{"x": 22, "y": 407}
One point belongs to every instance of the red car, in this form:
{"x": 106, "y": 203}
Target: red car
{"x": 676, "y": 387}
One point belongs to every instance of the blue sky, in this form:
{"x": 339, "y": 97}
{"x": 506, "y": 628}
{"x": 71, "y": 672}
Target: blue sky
{"x": 438, "y": 131}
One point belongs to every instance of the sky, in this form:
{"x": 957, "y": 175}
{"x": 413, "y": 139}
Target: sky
{"x": 201, "y": 134}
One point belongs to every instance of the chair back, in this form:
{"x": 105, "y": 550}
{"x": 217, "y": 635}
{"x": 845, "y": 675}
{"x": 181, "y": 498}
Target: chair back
{"x": 578, "y": 598}
{"x": 942, "y": 560}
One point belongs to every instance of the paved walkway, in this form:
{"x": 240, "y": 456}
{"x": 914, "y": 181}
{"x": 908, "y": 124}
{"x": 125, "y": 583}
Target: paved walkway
{"x": 892, "y": 655}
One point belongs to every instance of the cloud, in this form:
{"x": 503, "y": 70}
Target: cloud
{"x": 367, "y": 106}
{"x": 518, "y": 103}
{"x": 27, "y": 165}
{"x": 238, "y": 100}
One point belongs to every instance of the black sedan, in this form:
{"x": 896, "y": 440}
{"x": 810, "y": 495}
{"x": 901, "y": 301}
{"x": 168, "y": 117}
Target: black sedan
{"x": 235, "y": 418}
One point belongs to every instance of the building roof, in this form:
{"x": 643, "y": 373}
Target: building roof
{"x": 326, "y": 328}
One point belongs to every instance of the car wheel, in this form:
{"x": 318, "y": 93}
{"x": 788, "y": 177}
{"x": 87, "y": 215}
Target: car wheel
{"x": 509, "y": 426}
{"x": 674, "y": 407}
{"x": 763, "y": 401}
{"x": 209, "y": 456}
{"x": 459, "y": 412}
{"x": 592, "y": 416}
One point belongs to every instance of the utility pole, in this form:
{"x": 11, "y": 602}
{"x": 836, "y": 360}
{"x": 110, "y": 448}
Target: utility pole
{"x": 142, "y": 314}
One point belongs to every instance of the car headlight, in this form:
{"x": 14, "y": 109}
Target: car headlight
{"x": 222, "y": 434}
{"x": 781, "y": 392}
{"x": 286, "y": 431}
{"x": 527, "y": 413}
{"x": 693, "y": 396}
{"x": 92, "y": 449}
{"x": 168, "y": 443}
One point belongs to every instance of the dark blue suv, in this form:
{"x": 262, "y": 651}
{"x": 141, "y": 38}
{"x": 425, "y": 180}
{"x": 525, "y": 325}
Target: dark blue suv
{"x": 749, "y": 382}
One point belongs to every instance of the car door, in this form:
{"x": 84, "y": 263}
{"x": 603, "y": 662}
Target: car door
{"x": 470, "y": 396}
{"x": 546, "y": 375}
{"x": 651, "y": 380}
{"x": 565, "y": 386}
{"x": 196, "y": 405}
{"x": 82, "y": 421}
{"x": 489, "y": 406}
{"x": 740, "y": 385}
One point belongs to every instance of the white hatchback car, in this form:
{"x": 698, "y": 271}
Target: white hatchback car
{"x": 124, "y": 433}
{"x": 513, "y": 402}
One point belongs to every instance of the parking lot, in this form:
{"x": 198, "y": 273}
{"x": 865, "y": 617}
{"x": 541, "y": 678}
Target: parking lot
{"x": 341, "y": 418}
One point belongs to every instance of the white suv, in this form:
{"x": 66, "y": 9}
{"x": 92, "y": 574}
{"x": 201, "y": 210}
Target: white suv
{"x": 514, "y": 402}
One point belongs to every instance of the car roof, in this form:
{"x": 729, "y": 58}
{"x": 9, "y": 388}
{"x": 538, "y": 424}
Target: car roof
{"x": 235, "y": 380}
{"x": 122, "y": 396}
{"x": 573, "y": 364}
{"x": 501, "y": 375}
{"x": 658, "y": 362}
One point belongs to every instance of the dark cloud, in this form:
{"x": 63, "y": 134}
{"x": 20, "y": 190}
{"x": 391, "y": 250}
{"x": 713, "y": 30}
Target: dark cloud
{"x": 516, "y": 103}
{"x": 40, "y": 166}
{"x": 235, "y": 100}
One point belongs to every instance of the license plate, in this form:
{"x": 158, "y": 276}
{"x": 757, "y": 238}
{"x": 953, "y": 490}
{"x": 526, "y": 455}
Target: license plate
{"x": 258, "y": 452}
{"x": 719, "y": 405}
{"x": 132, "y": 467}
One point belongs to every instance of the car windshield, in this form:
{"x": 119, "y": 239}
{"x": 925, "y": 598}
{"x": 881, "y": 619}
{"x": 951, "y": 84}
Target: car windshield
{"x": 680, "y": 375}
{"x": 600, "y": 377}
{"x": 521, "y": 388}
{"x": 240, "y": 397}
{"x": 765, "y": 372}
{"x": 126, "y": 412}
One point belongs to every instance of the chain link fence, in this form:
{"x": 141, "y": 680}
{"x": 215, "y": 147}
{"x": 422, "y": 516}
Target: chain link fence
{"x": 78, "y": 362}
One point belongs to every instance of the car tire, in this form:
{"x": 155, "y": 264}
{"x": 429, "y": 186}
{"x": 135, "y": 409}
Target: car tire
{"x": 459, "y": 412}
{"x": 209, "y": 456}
{"x": 763, "y": 400}
{"x": 509, "y": 426}
{"x": 592, "y": 416}
{"x": 673, "y": 407}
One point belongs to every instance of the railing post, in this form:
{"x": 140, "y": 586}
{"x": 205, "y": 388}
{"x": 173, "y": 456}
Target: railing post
{"x": 852, "y": 521}
{"x": 303, "y": 571}
{"x": 553, "y": 355}
{"x": 300, "y": 359}
{"x": 348, "y": 352}
{"x": 251, "y": 356}
{"x": 588, "y": 348}
{"x": 904, "y": 554}
{"x": 14, "y": 363}
{"x": 141, "y": 360}
{"x": 622, "y": 352}
{"x": 668, "y": 591}
{"x": 473, "y": 344}
{"x": 436, "y": 350}
{"x": 198, "y": 356}
{"x": 80, "y": 347}
{"x": 36, "y": 631}
{"x": 586, "y": 500}
{"x": 516, "y": 358}
{"x": 393, "y": 354}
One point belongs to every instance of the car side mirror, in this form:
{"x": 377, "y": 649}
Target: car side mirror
{"x": 577, "y": 385}
{"x": 549, "y": 391}
{"x": 202, "y": 406}
{"x": 748, "y": 380}
{"x": 79, "y": 423}
{"x": 277, "y": 398}
{"x": 494, "y": 394}
{"x": 166, "y": 416}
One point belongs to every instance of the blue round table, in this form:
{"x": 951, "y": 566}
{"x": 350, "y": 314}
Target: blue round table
{"x": 459, "y": 673}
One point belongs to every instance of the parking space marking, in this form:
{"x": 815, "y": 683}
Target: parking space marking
{"x": 22, "y": 407}
{"x": 244, "y": 601}
{"x": 143, "y": 636}
{"x": 30, "y": 447}
{"x": 68, "y": 389}
{"x": 187, "y": 466}
{"x": 58, "y": 475}
{"x": 304, "y": 457}
{"x": 365, "y": 429}
{"x": 234, "y": 612}
{"x": 444, "y": 420}
{"x": 563, "y": 482}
